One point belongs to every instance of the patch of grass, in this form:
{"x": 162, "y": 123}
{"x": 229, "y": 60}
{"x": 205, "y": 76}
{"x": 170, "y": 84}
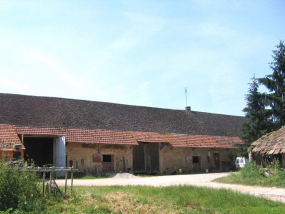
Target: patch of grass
{"x": 176, "y": 199}
{"x": 254, "y": 175}
{"x": 84, "y": 177}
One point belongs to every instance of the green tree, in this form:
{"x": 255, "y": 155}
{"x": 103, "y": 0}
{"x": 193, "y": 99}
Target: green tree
{"x": 275, "y": 83}
{"x": 256, "y": 114}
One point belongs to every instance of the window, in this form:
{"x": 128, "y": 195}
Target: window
{"x": 195, "y": 159}
{"x": 107, "y": 158}
{"x": 16, "y": 155}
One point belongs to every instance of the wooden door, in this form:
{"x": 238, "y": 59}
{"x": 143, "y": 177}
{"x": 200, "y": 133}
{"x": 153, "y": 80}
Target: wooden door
{"x": 196, "y": 161}
{"x": 146, "y": 158}
{"x": 216, "y": 157}
{"x": 152, "y": 157}
{"x": 139, "y": 158}
{"x": 107, "y": 163}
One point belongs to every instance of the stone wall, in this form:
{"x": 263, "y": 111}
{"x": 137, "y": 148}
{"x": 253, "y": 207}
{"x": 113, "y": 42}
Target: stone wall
{"x": 81, "y": 157}
{"x": 174, "y": 158}
{"x": 171, "y": 159}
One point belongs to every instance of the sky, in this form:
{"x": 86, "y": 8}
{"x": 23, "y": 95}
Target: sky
{"x": 140, "y": 52}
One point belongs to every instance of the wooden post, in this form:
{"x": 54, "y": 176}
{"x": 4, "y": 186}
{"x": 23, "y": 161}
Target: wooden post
{"x": 71, "y": 180}
{"x": 65, "y": 182}
{"x": 50, "y": 178}
{"x": 44, "y": 177}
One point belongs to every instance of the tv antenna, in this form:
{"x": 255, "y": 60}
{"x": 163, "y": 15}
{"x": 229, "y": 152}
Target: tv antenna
{"x": 186, "y": 95}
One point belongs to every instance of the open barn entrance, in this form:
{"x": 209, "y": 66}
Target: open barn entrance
{"x": 39, "y": 150}
{"x": 146, "y": 158}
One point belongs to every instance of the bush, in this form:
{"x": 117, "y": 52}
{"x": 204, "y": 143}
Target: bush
{"x": 19, "y": 189}
{"x": 251, "y": 170}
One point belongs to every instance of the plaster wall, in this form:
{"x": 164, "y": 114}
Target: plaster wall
{"x": 81, "y": 157}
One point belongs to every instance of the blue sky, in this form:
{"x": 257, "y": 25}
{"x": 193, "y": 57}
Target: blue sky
{"x": 139, "y": 52}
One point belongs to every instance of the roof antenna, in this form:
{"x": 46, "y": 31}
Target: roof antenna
{"x": 186, "y": 95}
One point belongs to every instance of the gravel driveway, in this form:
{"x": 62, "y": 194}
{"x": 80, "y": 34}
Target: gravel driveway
{"x": 204, "y": 180}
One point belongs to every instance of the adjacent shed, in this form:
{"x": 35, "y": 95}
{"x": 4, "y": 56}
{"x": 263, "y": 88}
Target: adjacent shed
{"x": 270, "y": 146}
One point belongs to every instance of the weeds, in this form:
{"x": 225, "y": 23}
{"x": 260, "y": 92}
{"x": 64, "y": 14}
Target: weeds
{"x": 254, "y": 174}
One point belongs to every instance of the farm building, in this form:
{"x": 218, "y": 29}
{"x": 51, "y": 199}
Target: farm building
{"x": 99, "y": 137}
{"x": 270, "y": 146}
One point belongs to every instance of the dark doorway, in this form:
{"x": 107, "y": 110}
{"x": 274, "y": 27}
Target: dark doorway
{"x": 196, "y": 161}
{"x": 39, "y": 150}
{"x": 108, "y": 163}
{"x": 146, "y": 158}
{"x": 216, "y": 157}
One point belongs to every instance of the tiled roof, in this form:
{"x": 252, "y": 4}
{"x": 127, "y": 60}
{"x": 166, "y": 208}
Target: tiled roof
{"x": 41, "y": 131}
{"x": 271, "y": 143}
{"x": 8, "y": 136}
{"x": 203, "y": 141}
{"x": 150, "y": 137}
{"x": 100, "y": 136}
{"x": 81, "y": 135}
{"x": 33, "y": 111}
{"x": 132, "y": 138}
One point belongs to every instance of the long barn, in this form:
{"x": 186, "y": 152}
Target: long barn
{"x": 99, "y": 137}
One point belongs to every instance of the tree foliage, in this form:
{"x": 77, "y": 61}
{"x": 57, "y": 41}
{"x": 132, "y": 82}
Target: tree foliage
{"x": 275, "y": 83}
{"x": 265, "y": 111}
{"x": 256, "y": 114}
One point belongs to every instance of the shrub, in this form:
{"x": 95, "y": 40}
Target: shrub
{"x": 19, "y": 189}
{"x": 251, "y": 170}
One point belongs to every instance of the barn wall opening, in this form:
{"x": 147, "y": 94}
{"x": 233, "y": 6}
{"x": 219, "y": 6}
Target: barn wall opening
{"x": 196, "y": 161}
{"x": 146, "y": 158}
{"x": 108, "y": 163}
{"x": 39, "y": 150}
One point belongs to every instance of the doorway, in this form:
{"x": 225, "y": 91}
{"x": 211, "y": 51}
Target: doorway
{"x": 146, "y": 158}
{"x": 39, "y": 150}
{"x": 107, "y": 163}
{"x": 196, "y": 161}
{"x": 216, "y": 157}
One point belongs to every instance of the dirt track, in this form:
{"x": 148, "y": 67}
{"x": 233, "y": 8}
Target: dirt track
{"x": 205, "y": 180}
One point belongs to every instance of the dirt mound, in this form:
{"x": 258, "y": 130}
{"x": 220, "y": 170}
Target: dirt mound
{"x": 123, "y": 175}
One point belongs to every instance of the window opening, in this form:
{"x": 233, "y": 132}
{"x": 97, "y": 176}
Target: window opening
{"x": 107, "y": 158}
{"x": 195, "y": 159}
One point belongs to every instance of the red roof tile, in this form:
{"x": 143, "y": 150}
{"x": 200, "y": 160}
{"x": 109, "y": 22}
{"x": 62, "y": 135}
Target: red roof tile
{"x": 100, "y": 136}
{"x": 203, "y": 141}
{"x": 103, "y": 136}
{"x": 151, "y": 137}
{"x": 43, "y": 131}
{"x": 8, "y": 136}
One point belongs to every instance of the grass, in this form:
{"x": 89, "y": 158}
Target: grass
{"x": 177, "y": 199}
{"x": 84, "y": 177}
{"x": 140, "y": 199}
{"x": 254, "y": 175}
